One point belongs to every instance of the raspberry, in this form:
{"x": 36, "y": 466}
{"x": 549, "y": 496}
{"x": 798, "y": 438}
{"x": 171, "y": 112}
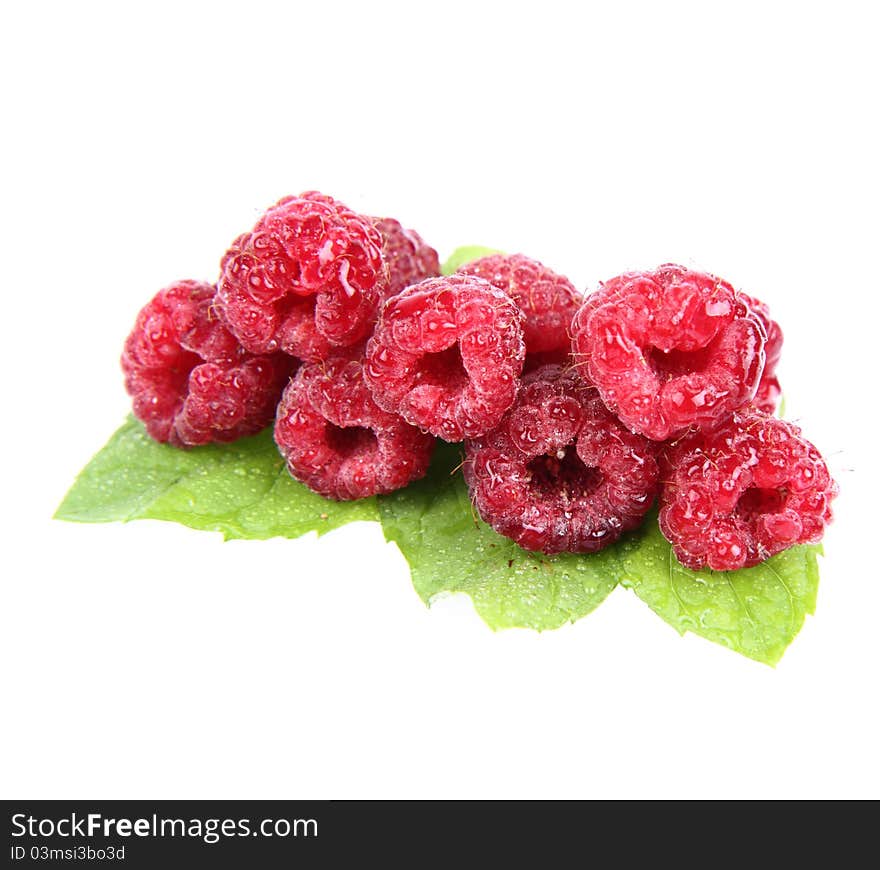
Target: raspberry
{"x": 309, "y": 277}
{"x": 408, "y": 259}
{"x": 548, "y": 301}
{"x": 669, "y": 350}
{"x": 446, "y": 355}
{"x": 767, "y": 397}
{"x": 740, "y": 494}
{"x": 190, "y": 380}
{"x": 338, "y": 441}
{"x": 560, "y": 473}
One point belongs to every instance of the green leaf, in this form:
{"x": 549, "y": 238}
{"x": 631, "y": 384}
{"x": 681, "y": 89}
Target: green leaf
{"x": 242, "y": 489}
{"x": 450, "y": 550}
{"x": 466, "y": 254}
{"x": 754, "y": 611}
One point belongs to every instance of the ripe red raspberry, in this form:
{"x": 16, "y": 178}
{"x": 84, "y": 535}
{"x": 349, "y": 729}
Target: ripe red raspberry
{"x": 767, "y": 397}
{"x": 337, "y": 441}
{"x": 446, "y": 355}
{"x": 190, "y": 380}
{"x": 308, "y": 278}
{"x": 736, "y": 496}
{"x": 560, "y": 473}
{"x": 407, "y": 257}
{"x": 670, "y": 349}
{"x": 548, "y": 301}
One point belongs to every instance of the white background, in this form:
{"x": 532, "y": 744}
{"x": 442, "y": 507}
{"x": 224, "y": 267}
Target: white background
{"x": 150, "y": 660}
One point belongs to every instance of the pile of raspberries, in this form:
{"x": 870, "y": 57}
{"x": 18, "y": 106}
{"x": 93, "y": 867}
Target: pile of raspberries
{"x": 576, "y": 413}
